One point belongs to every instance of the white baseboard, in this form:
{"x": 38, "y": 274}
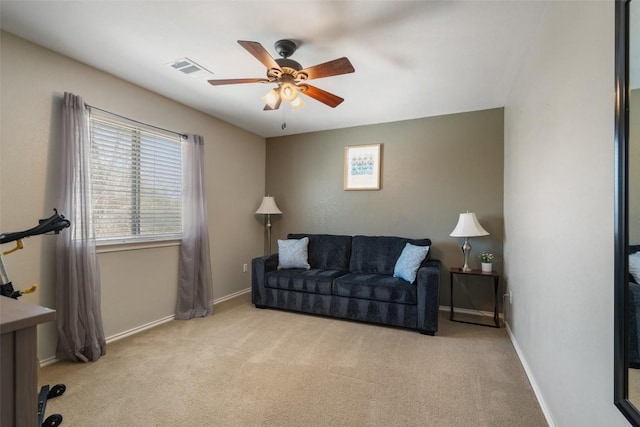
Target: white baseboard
{"x": 48, "y": 361}
{"x": 138, "y": 329}
{"x": 532, "y": 381}
{"x": 231, "y": 296}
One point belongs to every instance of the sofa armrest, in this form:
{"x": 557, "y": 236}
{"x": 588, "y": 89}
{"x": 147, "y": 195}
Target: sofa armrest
{"x": 259, "y": 268}
{"x": 428, "y": 284}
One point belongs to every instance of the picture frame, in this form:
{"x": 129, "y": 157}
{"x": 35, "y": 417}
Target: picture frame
{"x": 362, "y": 167}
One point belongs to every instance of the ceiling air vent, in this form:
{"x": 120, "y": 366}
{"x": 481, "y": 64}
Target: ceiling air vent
{"x": 190, "y": 68}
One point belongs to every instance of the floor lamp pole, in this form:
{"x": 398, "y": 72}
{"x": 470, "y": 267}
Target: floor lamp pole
{"x": 269, "y": 231}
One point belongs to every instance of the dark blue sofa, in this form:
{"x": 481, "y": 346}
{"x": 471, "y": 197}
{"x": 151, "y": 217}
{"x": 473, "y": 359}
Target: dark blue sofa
{"x": 352, "y": 278}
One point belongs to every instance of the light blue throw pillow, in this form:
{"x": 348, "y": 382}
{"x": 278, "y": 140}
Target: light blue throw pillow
{"x": 293, "y": 253}
{"x": 409, "y": 262}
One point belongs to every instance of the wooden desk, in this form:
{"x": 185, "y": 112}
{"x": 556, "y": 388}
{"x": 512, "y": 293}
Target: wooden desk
{"x": 19, "y": 360}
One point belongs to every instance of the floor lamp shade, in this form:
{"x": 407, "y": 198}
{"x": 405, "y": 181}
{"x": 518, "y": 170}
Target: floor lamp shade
{"x": 468, "y": 226}
{"x": 268, "y": 207}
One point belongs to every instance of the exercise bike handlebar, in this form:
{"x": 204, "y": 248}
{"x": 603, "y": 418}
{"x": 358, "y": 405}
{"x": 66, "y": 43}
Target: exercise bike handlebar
{"x": 54, "y": 223}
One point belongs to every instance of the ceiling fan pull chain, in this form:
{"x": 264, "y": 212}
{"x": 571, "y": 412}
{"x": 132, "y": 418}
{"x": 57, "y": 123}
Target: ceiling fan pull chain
{"x": 284, "y": 120}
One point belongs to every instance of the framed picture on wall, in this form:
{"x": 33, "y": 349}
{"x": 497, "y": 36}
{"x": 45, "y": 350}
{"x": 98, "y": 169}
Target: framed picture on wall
{"x": 362, "y": 167}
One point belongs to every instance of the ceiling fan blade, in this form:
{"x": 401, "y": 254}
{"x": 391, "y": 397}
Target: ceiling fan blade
{"x": 261, "y": 54}
{"x": 327, "y": 69}
{"x": 321, "y": 95}
{"x": 237, "y": 81}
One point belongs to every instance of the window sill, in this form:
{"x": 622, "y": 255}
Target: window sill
{"x": 124, "y": 245}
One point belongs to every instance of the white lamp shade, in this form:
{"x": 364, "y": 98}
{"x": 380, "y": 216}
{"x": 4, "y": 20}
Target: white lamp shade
{"x": 468, "y": 226}
{"x": 268, "y": 206}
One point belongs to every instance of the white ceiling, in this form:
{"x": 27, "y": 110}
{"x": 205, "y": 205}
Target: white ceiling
{"x": 412, "y": 58}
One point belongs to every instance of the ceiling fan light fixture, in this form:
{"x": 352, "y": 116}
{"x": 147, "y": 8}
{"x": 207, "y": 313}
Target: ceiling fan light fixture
{"x": 271, "y": 98}
{"x": 297, "y": 103}
{"x": 288, "y": 92}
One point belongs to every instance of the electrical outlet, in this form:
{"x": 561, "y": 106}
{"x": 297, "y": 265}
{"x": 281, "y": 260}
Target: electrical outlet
{"x": 244, "y": 268}
{"x": 508, "y": 295}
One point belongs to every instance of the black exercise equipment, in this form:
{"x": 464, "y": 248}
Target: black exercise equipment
{"x": 55, "y": 223}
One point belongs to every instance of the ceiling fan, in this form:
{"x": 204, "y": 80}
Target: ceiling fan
{"x": 290, "y": 77}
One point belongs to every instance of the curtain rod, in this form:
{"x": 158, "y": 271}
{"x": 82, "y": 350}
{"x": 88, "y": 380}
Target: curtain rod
{"x": 182, "y": 135}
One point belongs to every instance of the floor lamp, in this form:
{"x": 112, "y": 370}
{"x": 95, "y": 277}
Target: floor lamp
{"x": 268, "y": 208}
{"x": 468, "y": 226}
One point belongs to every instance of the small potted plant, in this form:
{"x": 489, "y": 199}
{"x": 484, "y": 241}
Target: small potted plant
{"x": 487, "y": 262}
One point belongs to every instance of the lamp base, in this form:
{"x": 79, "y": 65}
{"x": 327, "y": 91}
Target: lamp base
{"x": 466, "y": 249}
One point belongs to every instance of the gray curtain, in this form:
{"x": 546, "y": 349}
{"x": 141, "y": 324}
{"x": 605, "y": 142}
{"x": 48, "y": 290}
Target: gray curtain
{"x": 195, "y": 283}
{"x": 80, "y": 331}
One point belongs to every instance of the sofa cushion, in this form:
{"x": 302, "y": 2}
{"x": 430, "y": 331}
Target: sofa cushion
{"x": 314, "y": 281}
{"x": 327, "y": 250}
{"x": 377, "y": 287}
{"x": 378, "y": 254}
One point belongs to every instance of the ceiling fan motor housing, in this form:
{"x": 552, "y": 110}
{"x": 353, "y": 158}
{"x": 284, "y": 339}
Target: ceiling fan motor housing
{"x": 288, "y": 63}
{"x": 285, "y": 48}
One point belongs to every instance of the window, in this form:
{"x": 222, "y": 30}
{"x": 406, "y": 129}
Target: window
{"x": 136, "y": 181}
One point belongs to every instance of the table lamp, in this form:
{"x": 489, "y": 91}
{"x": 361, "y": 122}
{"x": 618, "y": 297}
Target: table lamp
{"x": 468, "y": 226}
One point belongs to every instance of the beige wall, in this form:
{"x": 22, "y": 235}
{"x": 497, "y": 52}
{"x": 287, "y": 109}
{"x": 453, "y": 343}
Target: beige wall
{"x": 634, "y": 167}
{"x": 432, "y": 169}
{"x": 559, "y": 213}
{"x": 138, "y": 286}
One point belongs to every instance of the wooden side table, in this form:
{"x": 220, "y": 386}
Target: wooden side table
{"x": 496, "y": 280}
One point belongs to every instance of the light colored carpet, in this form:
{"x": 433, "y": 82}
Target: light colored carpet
{"x": 249, "y": 367}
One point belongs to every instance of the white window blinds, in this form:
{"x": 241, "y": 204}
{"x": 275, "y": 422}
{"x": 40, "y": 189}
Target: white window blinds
{"x": 136, "y": 181}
